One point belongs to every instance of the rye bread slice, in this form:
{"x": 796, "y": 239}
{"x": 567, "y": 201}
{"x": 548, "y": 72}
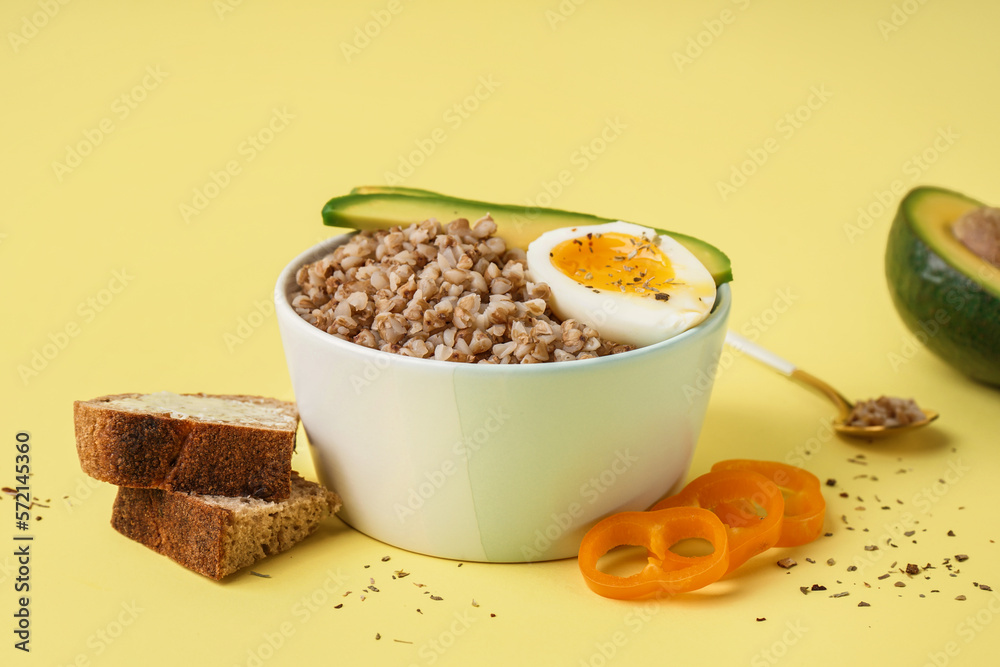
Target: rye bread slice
{"x": 218, "y": 535}
{"x": 227, "y": 445}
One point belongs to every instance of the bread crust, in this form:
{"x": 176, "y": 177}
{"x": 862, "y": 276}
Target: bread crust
{"x": 154, "y": 450}
{"x": 213, "y": 540}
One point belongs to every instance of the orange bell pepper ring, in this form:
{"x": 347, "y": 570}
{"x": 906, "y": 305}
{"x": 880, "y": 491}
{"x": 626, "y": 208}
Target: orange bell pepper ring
{"x": 665, "y": 573}
{"x": 805, "y": 507}
{"x": 748, "y": 504}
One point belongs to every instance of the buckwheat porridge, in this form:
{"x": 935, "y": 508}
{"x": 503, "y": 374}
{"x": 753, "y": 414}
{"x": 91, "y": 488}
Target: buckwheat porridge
{"x": 885, "y": 411}
{"x": 447, "y": 292}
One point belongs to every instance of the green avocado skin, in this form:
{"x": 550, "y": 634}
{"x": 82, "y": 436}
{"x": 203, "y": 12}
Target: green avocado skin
{"x": 952, "y": 315}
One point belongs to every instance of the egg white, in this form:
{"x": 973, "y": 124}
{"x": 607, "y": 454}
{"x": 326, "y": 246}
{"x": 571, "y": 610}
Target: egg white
{"x": 626, "y": 318}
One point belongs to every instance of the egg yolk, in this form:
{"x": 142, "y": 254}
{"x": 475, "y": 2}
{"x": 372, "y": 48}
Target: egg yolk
{"x": 615, "y": 262}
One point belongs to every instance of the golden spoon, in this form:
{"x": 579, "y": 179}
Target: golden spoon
{"x": 844, "y": 406}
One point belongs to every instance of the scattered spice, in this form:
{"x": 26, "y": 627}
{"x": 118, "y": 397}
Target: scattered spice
{"x": 960, "y": 598}
{"x": 984, "y": 587}
{"x": 386, "y": 559}
{"x": 377, "y": 636}
{"x": 761, "y": 618}
{"x": 842, "y": 594}
{"x": 436, "y": 597}
{"x": 258, "y": 574}
{"x": 910, "y": 569}
{"x": 817, "y": 587}
{"x": 787, "y": 563}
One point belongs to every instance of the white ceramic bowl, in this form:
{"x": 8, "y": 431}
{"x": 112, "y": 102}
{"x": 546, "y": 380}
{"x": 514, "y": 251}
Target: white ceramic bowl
{"x": 495, "y": 463}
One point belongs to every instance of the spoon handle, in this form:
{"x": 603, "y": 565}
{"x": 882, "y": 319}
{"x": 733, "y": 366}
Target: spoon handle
{"x": 766, "y": 357}
{"x": 788, "y": 369}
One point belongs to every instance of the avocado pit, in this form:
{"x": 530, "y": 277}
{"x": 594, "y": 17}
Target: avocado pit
{"x": 979, "y": 231}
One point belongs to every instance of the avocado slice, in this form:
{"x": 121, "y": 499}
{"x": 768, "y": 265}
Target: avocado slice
{"x": 380, "y": 207}
{"x": 947, "y": 295}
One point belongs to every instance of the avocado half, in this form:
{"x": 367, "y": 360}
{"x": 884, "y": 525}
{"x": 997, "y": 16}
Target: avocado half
{"x": 947, "y": 295}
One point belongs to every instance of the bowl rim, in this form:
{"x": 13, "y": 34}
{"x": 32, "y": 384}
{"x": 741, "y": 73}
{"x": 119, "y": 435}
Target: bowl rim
{"x": 718, "y": 316}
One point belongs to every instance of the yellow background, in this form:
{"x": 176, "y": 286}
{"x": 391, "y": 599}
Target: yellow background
{"x": 493, "y": 101}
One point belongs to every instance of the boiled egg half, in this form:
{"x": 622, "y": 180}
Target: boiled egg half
{"x": 631, "y": 284}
